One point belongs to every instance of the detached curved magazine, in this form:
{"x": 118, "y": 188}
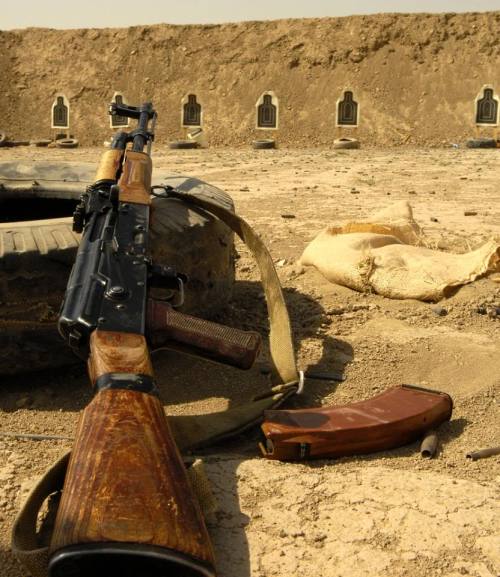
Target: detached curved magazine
{"x": 397, "y": 417}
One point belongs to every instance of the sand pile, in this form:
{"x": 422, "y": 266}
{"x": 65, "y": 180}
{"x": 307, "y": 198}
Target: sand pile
{"x": 415, "y": 77}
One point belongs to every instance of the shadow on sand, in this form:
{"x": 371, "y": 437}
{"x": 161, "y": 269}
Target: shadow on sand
{"x": 183, "y": 379}
{"x": 191, "y": 385}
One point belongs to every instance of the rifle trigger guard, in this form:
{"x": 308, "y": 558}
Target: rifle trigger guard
{"x": 166, "y": 277}
{"x": 179, "y": 301}
{"x": 300, "y": 387}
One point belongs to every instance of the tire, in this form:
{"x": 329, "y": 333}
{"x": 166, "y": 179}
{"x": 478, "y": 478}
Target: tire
{"x": 197, "y": 244}
{"x": 41, "y": 142}
{"x": 345, "y": 143}
{"x": 38, "y": 254}
{"x": 481, "y": 143}
{"x": 67, "y": 143}
{"x": 183, "y": 144}
{"x": 264, "y": 144}
{"x": 11, "y": 143}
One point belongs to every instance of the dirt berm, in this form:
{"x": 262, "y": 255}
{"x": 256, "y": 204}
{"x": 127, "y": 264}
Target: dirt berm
{"x": 415, "y": 77}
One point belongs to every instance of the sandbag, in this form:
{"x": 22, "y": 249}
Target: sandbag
{"x": 388, "y": 254}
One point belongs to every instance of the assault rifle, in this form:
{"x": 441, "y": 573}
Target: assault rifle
{"x": 127, "y": 508}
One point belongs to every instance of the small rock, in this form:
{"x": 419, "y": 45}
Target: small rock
{"x": 470, "y": 213}
{"x": 434, "y": 219}
{"x": 360, "y": 307}
{"x": 349, "y": 316}
{"x": 494, "y": 313}
{"x": 287, "y": 216}
{"x": 439, "y": 310}
{"x": 296, "y": 270}
{"x": 244, "y": 189}
{"x": 356, "y": 56}
{"x": 335, "y": 310}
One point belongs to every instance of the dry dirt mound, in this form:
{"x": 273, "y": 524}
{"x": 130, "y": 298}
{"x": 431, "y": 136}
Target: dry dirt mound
{"x": 414, "y": 76}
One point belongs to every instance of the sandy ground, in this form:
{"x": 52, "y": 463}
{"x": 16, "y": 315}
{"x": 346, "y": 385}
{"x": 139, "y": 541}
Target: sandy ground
{"x": 389, "y": 514}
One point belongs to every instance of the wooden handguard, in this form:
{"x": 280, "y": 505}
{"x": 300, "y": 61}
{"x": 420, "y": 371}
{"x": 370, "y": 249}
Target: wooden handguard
{"x": 109, "y": 165}
{"x": 135, "y": 180}
{"x": 168, "y": 328}
{"x": 396, "y": 417}
{"x": 127, "y": 507}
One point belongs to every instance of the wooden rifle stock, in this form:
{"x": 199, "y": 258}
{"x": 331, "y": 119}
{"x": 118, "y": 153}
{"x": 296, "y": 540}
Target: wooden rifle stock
{"x": 135, "y": 180}
{"x": 127, "y": 507}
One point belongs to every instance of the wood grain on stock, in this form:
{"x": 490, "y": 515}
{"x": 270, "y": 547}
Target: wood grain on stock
{"x": 112, "y": 352}
{"x": 126, "y": 482}
{"x": 135, "y": 181}
{"x": 109, "y": 165}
